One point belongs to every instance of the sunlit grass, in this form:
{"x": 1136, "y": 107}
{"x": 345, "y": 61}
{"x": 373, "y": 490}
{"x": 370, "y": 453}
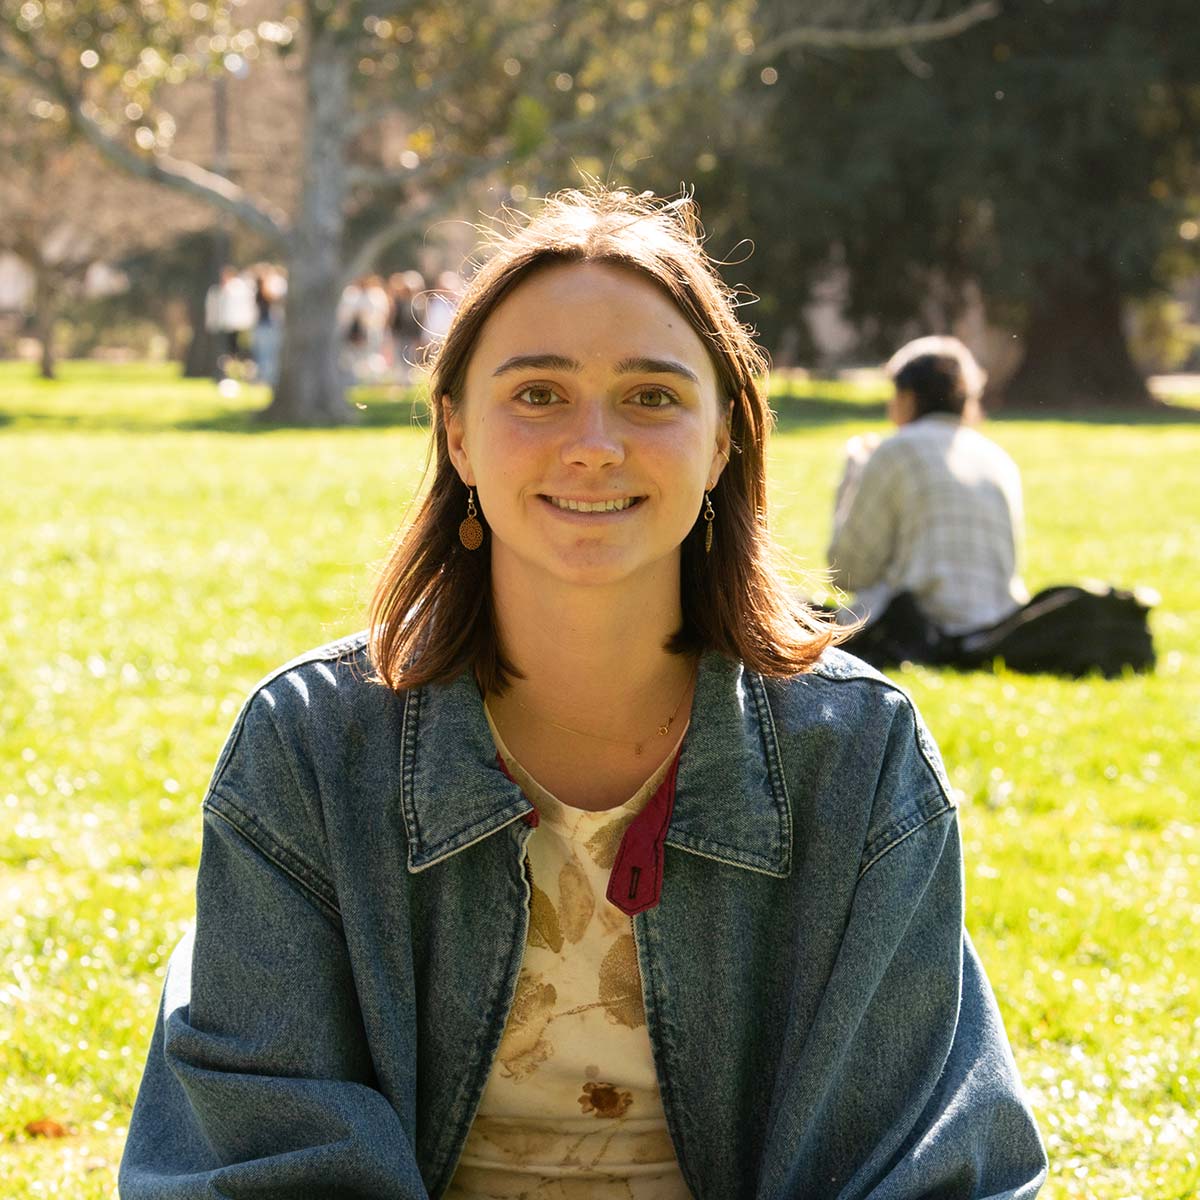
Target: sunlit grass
{"x": 160, "y": 553}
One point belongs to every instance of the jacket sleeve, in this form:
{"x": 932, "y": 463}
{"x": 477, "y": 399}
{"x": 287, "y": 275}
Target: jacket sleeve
{"x": 259, "y": 1081}
{"x": 908, "y": 1089}
{"x": 965, "y": 1130}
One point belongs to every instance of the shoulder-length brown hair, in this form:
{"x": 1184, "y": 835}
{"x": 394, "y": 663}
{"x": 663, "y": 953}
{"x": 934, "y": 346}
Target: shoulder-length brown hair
{"x": 432, "y": 615}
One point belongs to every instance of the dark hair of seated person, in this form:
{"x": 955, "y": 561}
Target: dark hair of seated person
{"x": 936, "y": 382}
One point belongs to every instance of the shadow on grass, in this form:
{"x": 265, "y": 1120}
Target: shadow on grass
{"x": 1164, "y": 413}
{"x": 810, "y": 412}
{"x": 371, "y": 412}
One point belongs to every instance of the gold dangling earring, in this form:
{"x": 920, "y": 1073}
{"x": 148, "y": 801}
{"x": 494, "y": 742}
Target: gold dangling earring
{"x": 470, "y": 532}
{"x": 709, "y": 514}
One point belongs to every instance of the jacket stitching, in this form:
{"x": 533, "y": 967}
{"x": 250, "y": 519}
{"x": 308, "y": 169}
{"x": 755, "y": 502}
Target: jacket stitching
{"x": 733, "y": 855}
{"x": 922, "y": 813}
{"x": 899, "y": 834}
{"x": 408, "y": 761}
{"x": 464, "y": 838}
{"x": 770, "y": 739}
{"x": 474, "y": 1082}
{"x": 300, "y": 789}
{"x": 679, "y": 1120}
{"x": 771, "y": 872}
{"x": 262, "y": 841}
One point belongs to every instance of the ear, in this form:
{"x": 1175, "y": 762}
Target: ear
{"x": 456, "y": 440}
{"x": 721, "y": 452}
{"x": 903, "y": 406}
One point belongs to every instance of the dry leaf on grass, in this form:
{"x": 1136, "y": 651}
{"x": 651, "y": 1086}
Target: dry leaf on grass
{"x": 48, "y": 1128}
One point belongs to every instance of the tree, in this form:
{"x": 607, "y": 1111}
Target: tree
{"x": 64, "y": 209}
{"x": 1048, "y": 158}
{"x": 407, "y": 107}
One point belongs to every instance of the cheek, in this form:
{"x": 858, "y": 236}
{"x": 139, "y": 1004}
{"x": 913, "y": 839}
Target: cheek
{"x": 501, "y": 449}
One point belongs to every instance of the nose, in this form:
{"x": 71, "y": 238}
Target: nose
{"x": 593, "y": 438}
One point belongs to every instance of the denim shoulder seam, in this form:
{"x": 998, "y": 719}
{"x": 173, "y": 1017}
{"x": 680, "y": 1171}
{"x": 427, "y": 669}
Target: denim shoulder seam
{"x": 342, "y": 649}
{"x": 898, "y": 833}
{"x": 221, "y": 804}
{"x": 869, "y": 677}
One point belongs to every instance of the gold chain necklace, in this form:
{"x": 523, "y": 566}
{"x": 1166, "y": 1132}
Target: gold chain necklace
{"x": 638, "y": 747}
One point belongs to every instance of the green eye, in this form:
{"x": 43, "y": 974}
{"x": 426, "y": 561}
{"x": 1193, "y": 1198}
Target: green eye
{"x": 538, "y": 396}
{"x": 654, "y": 398}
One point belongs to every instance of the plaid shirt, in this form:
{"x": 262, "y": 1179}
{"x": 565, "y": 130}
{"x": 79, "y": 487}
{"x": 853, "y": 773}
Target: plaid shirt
{"x": 936, "y": 511}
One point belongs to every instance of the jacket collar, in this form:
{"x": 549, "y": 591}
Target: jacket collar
{"x": 731, "y": 801}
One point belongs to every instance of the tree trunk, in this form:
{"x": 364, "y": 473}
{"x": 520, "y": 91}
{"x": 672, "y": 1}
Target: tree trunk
{"x": 203, "y": 351}
{"x": 311, "y": 389}
{"x": 1076, "y": 355}
{"x": 45, "y": 306}
{"x": 200, "y": 358}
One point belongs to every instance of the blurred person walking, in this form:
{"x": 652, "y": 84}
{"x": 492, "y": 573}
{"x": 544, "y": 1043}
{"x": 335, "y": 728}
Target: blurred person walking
{"x": 441, "y": 305}
{"x": 363, "y": 313}
{"x": 405, "y": 322}
{"x": 270, "y": 290}
{"x": 229, "y": 312}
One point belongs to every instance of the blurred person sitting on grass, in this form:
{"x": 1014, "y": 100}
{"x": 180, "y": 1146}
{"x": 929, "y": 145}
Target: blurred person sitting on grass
{"x": 932, "y": 515}
{"x": 593, "y": 867}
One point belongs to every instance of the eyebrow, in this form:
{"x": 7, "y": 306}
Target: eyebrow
{"x": 545, "y": 362}
{"x": 627, "y": 366}
{"x": 656, "y": 366}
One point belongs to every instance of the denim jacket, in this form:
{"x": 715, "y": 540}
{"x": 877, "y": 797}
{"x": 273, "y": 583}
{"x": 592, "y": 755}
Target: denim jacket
{"x": 820, "y": 1023}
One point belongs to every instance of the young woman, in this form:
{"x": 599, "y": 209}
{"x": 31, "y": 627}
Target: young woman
{"x": 591, "y": 869}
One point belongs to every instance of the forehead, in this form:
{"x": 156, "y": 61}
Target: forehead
{"x": 591, "y": 312}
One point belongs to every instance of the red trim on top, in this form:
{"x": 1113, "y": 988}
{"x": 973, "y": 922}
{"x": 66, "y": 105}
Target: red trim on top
{"x": 636, "y": 880}
{"x": 531, "y": 817}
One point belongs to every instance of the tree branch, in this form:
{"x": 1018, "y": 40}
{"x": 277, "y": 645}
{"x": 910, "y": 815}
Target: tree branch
{"x": 445, "y": 193}
{"x": 183, "y": 176}
{"x": 892, "y": 36}
{"x": 172, "y": 172}
{"x": 889, "y": 37}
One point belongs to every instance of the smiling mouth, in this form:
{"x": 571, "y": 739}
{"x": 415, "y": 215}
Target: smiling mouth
{"x": 593, "y": 506}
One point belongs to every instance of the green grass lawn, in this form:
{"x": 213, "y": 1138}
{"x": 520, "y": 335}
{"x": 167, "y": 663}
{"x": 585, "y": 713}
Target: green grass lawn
{"x": 159, "y": 553}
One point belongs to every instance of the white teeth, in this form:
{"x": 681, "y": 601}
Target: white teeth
{"x": 588, "y": 506}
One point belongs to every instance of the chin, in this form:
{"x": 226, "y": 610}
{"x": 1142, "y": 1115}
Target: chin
{"x": 591, "y": 573}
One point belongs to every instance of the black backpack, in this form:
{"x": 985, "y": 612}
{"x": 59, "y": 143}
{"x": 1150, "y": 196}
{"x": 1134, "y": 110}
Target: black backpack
{"x": 1064, "y": 630}
{"x": 1068, "y": 630}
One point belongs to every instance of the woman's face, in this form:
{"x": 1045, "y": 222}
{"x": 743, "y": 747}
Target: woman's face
{"x": 590, "y": 427}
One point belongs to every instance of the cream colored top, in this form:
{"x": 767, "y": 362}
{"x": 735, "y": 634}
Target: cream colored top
{"x": 571, "y": 1110}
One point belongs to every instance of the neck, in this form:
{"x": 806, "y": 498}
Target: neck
{"x": 594, "y": 656}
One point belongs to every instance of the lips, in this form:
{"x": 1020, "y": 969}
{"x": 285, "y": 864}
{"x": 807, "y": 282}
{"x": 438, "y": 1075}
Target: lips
{"x": 617, "y": 504}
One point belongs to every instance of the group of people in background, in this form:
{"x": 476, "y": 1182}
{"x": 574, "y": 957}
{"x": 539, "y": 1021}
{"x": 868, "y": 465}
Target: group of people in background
{"x": 243, "y": 311}
{"x": 384, "y": 325}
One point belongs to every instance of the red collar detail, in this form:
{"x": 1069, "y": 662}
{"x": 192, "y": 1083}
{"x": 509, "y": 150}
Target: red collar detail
{"x": 637, "y": 875}
{"x": 531, "y": 817}
{"x": 635, "y": 883}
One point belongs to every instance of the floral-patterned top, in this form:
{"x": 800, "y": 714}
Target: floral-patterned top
{"x": 572, "y": 1106}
